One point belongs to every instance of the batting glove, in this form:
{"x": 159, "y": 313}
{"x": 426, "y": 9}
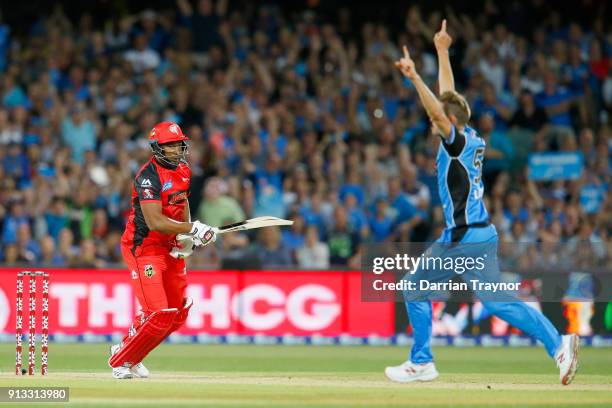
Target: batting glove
{"x": 203, "y": 234}
{"x": 184, "y": 247}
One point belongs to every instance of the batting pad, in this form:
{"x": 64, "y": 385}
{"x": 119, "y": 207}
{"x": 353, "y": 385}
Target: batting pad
{"x": 181, "y": 316}
{"x": 149, "y": 335}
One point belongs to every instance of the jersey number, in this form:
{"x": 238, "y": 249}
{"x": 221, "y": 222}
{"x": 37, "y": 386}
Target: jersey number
{"x": 478, "y": 157}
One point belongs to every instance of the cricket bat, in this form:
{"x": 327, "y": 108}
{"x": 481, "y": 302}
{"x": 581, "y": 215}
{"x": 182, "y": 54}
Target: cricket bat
{"x": 253, "y": 223}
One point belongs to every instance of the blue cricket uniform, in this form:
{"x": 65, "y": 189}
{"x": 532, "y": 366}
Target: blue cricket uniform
{"x": 459, "y": 163}
{"x": 460, "y": 186}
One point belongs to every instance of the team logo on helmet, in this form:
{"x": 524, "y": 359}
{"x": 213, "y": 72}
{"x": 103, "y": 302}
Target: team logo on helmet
{"x": 174, "y": 128}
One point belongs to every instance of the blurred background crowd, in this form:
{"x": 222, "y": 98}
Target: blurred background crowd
{"x": 297, "y": 111}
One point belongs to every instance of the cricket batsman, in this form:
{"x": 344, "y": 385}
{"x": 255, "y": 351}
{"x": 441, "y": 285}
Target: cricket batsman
{"x": 159, "y": 212}
{"x": 459, "y": 166}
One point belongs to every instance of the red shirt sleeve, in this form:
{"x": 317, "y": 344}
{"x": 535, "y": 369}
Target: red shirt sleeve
{"x": 148, "y": 185}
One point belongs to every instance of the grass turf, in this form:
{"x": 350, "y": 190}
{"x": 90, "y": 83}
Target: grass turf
{"x": 303, "y": 376}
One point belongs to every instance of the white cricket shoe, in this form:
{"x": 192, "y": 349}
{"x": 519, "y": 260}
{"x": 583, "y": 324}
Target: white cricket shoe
{"x": 409, "y": 372}
{"x": 122, "y": 373}
{"x": 566, "y": 358}
{"x": 137, "y": 370}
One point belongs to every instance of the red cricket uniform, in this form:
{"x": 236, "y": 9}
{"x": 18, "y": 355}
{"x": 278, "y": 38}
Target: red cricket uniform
{"x": 158, "y": 279}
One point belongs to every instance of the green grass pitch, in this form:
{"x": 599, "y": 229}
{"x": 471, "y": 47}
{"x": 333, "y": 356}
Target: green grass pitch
{"x": 306, "y": 376}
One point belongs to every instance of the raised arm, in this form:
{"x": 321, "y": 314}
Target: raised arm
{"x": 443, "y": 41}
{"x": 428, "y": 99}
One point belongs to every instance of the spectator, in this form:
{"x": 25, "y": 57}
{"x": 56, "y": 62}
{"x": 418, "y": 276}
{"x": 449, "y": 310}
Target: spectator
{"x": 80, "y": 214}
{"x": 353, "y": 187}
{"x": 111, "y": 247}
{"x": 586, "y": 245}
{"x": 555, "y": 100}
{"x": 17, "y": 165}
{"x": 314, "y": 254}
{"x": 343, "y": 242}
{"x": 141, "y": 57}
{"x": 79, "y": 133}
{"x": 56, "y": 217}
{"x": 575, "y": 73}
{"x": 28, "y": 249}
{"x": 236, "y": 253}
{"x": 48, "y": 254}
{"x": 528, "y": 115}
{"x": 417, "y": 193}
{"x": 492, "y": 70}
{"x": 381, "y": 223}
{"x": 217, "y": 206}
{"x": 9, "y": 132}
{"x": 99, "y": 224}
{"x": 88, "y": 257}
{"x": 293, "y": 237}
{"x": 66, "y": 246}
{"x": 13, "y": 95}
{"x": 312, "y": 213}
{"x": 499, "y": 152}
{"x": 271, "y": 249}
{"x": 406, "y": 216}
{"x": 489, "y": 104}
{"x": 269, "y": 201}
{"x": 11, "y": 255}
{"x": 12, "y": 223}
{"x": 356, "y": 216}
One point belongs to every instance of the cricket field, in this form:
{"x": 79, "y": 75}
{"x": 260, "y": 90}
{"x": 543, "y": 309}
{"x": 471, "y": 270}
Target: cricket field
{"x": 308, "y": 376}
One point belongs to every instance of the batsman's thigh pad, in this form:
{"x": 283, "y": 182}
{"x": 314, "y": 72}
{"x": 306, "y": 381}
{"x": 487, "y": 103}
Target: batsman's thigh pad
{"x": 152, "y": 332}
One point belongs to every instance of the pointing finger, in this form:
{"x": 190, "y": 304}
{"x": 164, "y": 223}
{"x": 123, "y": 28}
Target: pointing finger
{"x": 443, "y": 25}
{"x": 406, "y": 55}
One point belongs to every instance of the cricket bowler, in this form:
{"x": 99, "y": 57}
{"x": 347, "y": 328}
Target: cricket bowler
{"x": 459, "y": 167}
{"x": 159, "y": 212}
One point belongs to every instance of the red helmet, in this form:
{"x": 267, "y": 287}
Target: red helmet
{"x": 166, "y": 132}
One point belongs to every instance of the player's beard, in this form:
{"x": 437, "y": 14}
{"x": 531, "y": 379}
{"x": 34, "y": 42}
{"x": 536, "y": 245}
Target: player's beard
{"x": 175, "y": 159}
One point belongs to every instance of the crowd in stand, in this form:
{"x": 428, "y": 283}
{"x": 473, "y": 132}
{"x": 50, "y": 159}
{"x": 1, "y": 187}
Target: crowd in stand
{"x": 299, "y": 114}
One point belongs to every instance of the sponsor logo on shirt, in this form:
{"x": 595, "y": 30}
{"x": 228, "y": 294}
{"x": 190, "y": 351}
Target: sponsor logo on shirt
{"x": 147, "y": 193}
{"x": 146, "y": 183}
{"x": 167, "y": 186}
{"x": 177, "y": 197}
